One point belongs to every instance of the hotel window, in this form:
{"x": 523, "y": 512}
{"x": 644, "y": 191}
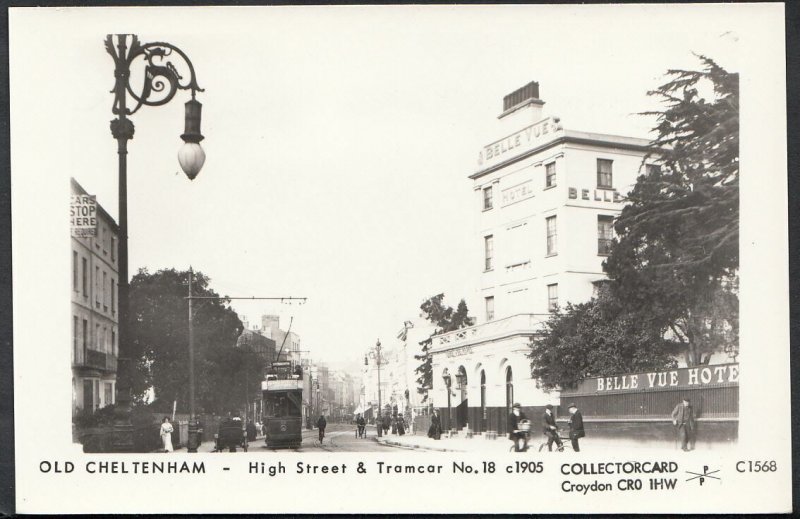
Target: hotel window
{"x": 113, "y": 248}
{"x": 552, "y": 297}
{"x": 605, "y": 234}
{"x": 487, "y": 198}
{"x": 107, "y": 394}
{"x": 113, "y": 342}
{"x": 85, "y": 271}
{"x": 550, "y": 174}
{"x": 96, "y": 394}
{"x": 85, "y": 338}
{"x": 104, "y": 239}
{"x": 75, "y": 271}
{"x": 75, "y": 353}
{"x": 551, "y": 236}
{"x": 604, "y": 175}
{"x": 105, "y": 340}
{"x": 97, "y": 337}
{"x": 490, "y": 308}
{"x": 488, "y": 245}
{"x": 96, "y": 288}
{"x": 113, "y": 297}
{"x": 105, "y": 297}
{"x": 652, "y": 169}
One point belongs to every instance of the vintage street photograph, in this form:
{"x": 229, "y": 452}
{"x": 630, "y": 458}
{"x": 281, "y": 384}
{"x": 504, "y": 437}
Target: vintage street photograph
{"x": 401, "y": 230}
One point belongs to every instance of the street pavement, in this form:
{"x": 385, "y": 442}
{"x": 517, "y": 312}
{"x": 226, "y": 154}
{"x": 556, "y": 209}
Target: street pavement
{"x": 341, "y": 438}
{"x": 338, "y": 438}
{"x": 503, "y": 444}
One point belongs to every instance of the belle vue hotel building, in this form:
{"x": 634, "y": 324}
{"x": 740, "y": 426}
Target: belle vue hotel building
{"x": 545, "y": 198}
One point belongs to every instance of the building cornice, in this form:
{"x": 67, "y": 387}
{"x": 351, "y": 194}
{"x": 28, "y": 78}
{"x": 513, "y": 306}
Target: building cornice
{"x": 573, "y": 137}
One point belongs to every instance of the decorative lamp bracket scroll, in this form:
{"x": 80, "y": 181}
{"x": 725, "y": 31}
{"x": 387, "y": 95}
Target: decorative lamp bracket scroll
{"x": 161, "y": 77}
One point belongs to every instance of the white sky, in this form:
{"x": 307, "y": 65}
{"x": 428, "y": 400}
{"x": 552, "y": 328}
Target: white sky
{"x": 338, "y": 139}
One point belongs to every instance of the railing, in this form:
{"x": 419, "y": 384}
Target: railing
{"x": 515, "y": 324}
{"x": 97, "y": 360}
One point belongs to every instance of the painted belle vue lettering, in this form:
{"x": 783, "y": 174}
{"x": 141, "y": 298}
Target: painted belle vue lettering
{"x": 600, "y": 195}
{"x": 685, "y": 377}
{"x": 524, "y": 138}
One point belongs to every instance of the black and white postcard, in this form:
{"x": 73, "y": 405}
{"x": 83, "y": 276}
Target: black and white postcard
{"x": 400, "y": 259}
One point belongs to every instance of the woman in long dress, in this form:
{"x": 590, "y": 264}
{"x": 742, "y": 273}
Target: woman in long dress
{"x": 166, "y": 434}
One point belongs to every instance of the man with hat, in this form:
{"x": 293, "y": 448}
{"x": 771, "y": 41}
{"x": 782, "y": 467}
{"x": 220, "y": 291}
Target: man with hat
{"x": 683, "y": 419}
{"x": 515, "y": 434}
{"x": 575, "y": 426}
{"x": 550, "y": 429}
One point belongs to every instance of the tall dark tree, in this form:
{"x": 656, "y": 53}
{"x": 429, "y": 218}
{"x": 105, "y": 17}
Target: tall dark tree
{"x": 160, "y": 337}
{"x": 596, "y": 338}
{"x": 446, "y": 320}
{"x": 675, "y": 264}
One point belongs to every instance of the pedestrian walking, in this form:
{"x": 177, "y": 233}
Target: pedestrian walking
{"x": 321, "y": 424}
{"x": 166, "y": 434}
{"x": 515, "y": 433}
{"x": 251, "y": 431}
{"x": 362, "y": 424}
{"x": 550, "y": 429}
{"x": 575, "y": 426}
{"x": 401, "y": 426}
{"x": 683, "y": 421}
{"x": 435, "y": 430}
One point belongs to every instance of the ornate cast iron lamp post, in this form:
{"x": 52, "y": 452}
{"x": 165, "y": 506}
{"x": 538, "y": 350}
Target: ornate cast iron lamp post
{"x": 376, "y": 355}
{"x": 162, "y": 80}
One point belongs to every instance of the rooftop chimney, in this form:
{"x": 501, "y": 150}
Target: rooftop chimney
{"x": 520, "y": 95}
{"x": 522, "y": 107}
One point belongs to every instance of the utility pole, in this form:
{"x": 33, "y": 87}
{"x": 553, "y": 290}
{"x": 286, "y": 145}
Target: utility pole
{"x": 193, "y": 441}
{"x": 376, "y": 354}
{"x": 194, "y": 436}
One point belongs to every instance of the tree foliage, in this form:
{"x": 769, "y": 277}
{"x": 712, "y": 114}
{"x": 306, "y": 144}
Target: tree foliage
{"x": 159, "y": 330}
{"x": 673, "y": 268}
{"x": 596, "y": 338}
{"x": 446, "y": 319}
{"x": 675, "y": 264}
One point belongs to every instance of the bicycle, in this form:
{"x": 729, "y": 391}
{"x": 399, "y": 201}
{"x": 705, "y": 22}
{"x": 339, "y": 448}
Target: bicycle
{"x": 566, "y": 442}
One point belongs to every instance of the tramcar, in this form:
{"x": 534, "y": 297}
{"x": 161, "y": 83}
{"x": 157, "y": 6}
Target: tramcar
{"x": 282, "y": 394}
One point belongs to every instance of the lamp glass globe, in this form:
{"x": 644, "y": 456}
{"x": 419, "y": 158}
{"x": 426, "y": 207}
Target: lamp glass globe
{"x": 191, "y": 158}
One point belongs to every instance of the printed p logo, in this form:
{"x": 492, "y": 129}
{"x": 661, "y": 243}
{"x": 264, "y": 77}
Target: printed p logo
{"x": 701, "y": 477}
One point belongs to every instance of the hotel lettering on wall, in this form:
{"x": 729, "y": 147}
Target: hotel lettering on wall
{"x": 457, "y": 352}
{"x": 516, "y": 143}
{"x": 83, "y": 215}
{"x": 682, "y": 378}
{"x": 517, "y": 193}
{"x": 597, "y": 195}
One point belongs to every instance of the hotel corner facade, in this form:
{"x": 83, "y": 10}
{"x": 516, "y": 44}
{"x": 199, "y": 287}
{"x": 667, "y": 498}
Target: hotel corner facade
{"x": 94, "y": 304}
{"x": 545, "y": 197}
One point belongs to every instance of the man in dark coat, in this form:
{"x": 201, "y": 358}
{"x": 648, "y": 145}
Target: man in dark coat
{"x": 683, "y": 419}
{"x": 514, "y": 432}
{"x": 362, "y": 424}
{"x": 550, "y": 429}
{"x": 251, "y": 431}
{"x": 435, "y": 430}
{"x": 575, "y": 426}
{"x": 321, "y": 424}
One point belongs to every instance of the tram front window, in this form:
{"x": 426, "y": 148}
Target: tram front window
{"x": 280, "y": 405}
{"x": 295, "y": 404}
